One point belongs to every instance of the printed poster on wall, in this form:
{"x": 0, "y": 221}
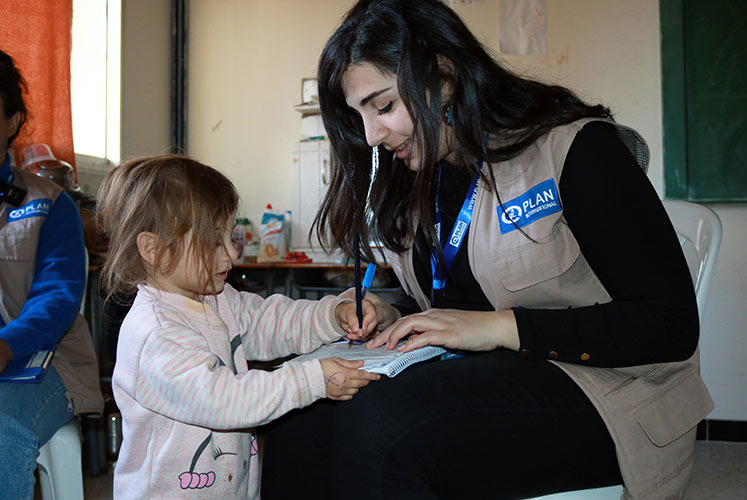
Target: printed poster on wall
{"x": 523, "y": 26}
{"x": 456, "y": 3}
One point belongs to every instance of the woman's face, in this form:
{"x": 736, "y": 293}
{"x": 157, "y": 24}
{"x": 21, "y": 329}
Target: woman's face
{"x": 374, "y": 96}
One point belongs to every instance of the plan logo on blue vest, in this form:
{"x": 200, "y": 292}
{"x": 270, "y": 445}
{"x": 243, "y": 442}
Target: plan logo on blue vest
{"x": 540, "y": 201}
{"x": 34, "y": 208}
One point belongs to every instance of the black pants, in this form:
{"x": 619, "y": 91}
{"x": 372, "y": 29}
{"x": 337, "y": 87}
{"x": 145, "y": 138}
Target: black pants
{"x": 490, "y": 425}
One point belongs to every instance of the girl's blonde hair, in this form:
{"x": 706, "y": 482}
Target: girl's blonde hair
{"x": 170, "y": 196}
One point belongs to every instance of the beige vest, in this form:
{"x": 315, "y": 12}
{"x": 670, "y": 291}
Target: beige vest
{"x": 75, "y": 359}
{"x": 651, "y": 411}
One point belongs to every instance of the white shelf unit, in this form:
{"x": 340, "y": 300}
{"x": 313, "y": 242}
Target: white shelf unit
{"x": 312, "y": 168}
{"x": 308, "y": 108}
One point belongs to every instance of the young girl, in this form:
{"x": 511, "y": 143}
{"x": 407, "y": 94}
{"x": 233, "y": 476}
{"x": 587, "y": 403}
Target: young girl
{"x": 181, "y": 381}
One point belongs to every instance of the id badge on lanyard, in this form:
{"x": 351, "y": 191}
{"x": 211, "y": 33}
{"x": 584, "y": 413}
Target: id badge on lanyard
{"x": 451, "y": 246}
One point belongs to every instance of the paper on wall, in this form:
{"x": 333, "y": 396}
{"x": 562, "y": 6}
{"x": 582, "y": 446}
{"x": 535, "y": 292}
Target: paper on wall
{"x": 456, "y": 3}
{"x": 523, "y": 27}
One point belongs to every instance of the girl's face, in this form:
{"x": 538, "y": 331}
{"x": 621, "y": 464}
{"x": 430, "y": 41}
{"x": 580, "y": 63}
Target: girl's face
{"x": 188, "y": 278}
{"x": 374, "y": 96}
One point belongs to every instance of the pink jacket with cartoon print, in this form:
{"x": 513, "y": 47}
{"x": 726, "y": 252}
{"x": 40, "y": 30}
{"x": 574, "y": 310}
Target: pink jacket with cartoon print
{"x": 187, "y": 398}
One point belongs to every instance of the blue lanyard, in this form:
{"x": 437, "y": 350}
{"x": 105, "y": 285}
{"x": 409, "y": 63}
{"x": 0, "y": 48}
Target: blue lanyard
{"x": 6, "y": 161}
{"x": 451, "y": 246}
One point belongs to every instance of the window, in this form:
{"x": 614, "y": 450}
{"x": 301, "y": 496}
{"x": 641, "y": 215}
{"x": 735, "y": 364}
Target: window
{"x": 95, "y": 83}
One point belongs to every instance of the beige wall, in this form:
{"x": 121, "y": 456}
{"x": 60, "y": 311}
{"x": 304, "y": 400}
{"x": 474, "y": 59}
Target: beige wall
{"x": 247, "y": 58}
{"x": 146, "y": 46}
{"x": 598, "y": 59}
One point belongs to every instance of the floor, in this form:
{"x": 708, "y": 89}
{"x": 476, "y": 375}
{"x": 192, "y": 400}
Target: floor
{"x": 720, "y": 473}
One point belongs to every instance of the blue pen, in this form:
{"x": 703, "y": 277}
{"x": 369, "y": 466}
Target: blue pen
{"x": 358, "y": 285}
{"x": 360, "y": 291}
{"x": 365, "y": 285}
{"x": 361, "y": 287}
{"x": 357, "y": 276}
{"x": 368, "y": 278}
{"x": 367, "y": 281}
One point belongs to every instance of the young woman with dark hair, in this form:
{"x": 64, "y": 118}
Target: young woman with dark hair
{"x": 527, "y": 237}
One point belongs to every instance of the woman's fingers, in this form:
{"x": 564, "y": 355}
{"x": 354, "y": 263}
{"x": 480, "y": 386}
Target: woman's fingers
{"x": 420, "y": 324}
{"x": 471, "y": 330}
{"x": 379, "y": 339}
{"x": 395, "y": 332}
{"x": 421, "y": 340}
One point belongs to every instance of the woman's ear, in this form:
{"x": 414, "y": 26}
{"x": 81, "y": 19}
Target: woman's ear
{"x": 446, "y": 66}
{"x": 147, "y": 245}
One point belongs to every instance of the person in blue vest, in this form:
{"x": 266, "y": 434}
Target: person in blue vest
{"x": 42, "y": 280}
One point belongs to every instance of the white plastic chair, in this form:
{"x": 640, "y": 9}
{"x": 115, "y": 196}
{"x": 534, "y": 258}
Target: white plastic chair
{"x": 60, "y": 459}
{"x": 699, "y": 231}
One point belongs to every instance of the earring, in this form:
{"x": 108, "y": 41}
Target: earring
{"x": 448, "y": 114}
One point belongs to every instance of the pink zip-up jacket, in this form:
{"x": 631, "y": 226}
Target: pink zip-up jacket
{"x": 187, "y": 398}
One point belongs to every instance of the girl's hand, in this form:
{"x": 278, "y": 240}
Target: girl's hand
{"x": 386, "y": 314}
{"x": 453, "y": 329}
{"x": 347, "y": 318}
{"x": 343, "y": 379}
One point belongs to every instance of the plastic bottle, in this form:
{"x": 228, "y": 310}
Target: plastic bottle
{"x": 238, "y": 235}
{"x": 249, "y": 241}
{"x": 273, "y": 246}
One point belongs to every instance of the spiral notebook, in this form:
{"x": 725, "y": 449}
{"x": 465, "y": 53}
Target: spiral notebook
{"x": 388, "y": 363}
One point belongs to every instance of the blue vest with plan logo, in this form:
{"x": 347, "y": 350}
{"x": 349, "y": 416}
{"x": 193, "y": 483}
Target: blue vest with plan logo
{"x": 34, "y": 208}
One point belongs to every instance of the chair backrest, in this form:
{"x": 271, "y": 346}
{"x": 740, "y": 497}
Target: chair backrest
{"x": 699, "y": 230}
{"x": 85, "y": 289}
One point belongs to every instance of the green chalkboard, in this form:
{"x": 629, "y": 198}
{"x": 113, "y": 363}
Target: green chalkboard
{"x": 704, "y": 90}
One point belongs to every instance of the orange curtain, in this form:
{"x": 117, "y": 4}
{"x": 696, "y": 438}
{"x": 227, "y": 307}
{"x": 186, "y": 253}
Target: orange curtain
{"x": 37, "y": 34}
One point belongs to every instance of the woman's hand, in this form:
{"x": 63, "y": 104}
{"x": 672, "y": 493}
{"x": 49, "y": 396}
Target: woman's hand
{"x": 453, "y": 329}
{"x": 347, "y": 318}
{"x": 386, "y": 314}
{"x": 343, "y": 379}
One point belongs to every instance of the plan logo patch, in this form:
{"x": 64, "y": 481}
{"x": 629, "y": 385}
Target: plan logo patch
{"x": 35, "y": 208}
{"x": 540, "y": 201}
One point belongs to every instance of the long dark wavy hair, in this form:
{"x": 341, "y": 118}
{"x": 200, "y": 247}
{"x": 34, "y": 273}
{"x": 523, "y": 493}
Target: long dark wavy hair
{"x": 12, "y": 88}
{"x": 408, "y": 39}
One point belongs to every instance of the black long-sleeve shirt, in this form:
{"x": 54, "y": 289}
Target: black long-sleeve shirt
{"x": 627, "y": 239}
